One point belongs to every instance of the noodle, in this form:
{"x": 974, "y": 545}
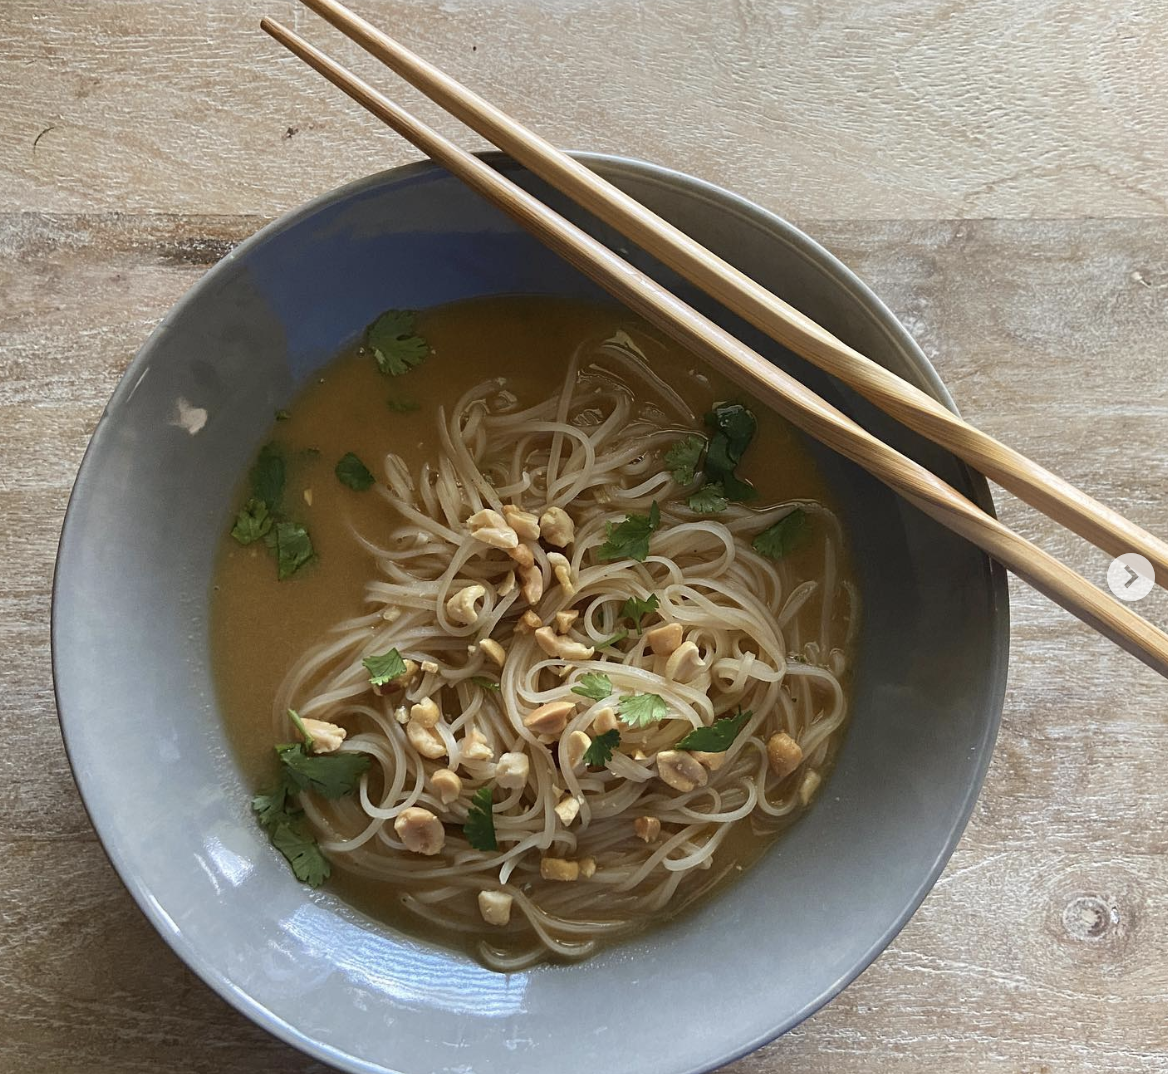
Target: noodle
{"x": 769, "y": 643}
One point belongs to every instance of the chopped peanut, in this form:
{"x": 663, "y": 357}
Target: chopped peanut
{"x": 528, "y": 622}
{"x": 564, "y": 648}
{"x": 494, "y": 651}
{"x": 680, "y": 770}
{"x": 522, "y": 522}
{"x": 326, "y": 737}
{"x": 713, "y": 761}
{"x": 495, "y": 906}
{"x": 565, "y": 619}
{"x": 491, "y": 528}
{"x": 588, "y": 868}
{"x": 461, "y": 607}
{"x": 425, "y": 712}
{"x": 430, "y": 667}
{"x": 783, "y": 753}
{"x": 447, "y": 785}
{"x": 562, "y": 569}
{"x": 684, "y": 662}
{"x": 531, "y": 583}
{"x": 523, "y": 555}
{"x": 664, "y": 639}
{"x": 568, "y": 809}
{"x": 420, "y": 830}
{"x": 550, "y": 719}
{"x": 578, "y": 742}
{"x": 474, "y": 747}
{"x": 512, "y": 770}
{"x": 556, "y": 527}
{"x": 558, "y": 869}
{"x": 425, "y": 740}
{"x": 647, "y": 828}
{"x": 605, "y": 721}
{"x": 402, "y": 715}
{"x": 810, "y": 784}
{"x": 506, "y": 585}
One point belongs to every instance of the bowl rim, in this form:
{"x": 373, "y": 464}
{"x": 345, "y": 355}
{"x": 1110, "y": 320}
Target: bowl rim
{"x": 710, "y": 193}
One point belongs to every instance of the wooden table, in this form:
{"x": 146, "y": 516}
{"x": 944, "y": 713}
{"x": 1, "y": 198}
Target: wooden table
{"x": 995, "y": 169}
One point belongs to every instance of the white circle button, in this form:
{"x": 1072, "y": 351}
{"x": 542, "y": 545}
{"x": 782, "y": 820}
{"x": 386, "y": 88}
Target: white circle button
{"x": 1131, "y": 577}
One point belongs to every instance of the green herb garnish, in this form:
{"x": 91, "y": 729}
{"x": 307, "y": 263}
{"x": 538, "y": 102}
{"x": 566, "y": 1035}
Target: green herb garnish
{"x": 682, "y": 459}
{"x": 485, "y": 683}
{"x": 641, "y": 710}
{"x": 384, "y": 668}
{"x": 402, "y": 405}
{"x": 708, "y": 500}
{"x": 613, "y": 639}
{"x": 253, "y": 522}
{"x": 309, "y": 741}
{"x": 282, "y": 415}
{"x": 293, "y": 548}
{"x": 351, "y": 471}
{"x": 784, "y": 536}
{"x": 267, "y": 476}
{"x": 717, "y": 737}
{"x": 630, "y": 538}
{"x": 331, "y": 775}
{"x": 599, "y": 753}
{"x": 594, "y": 686}
{"x": 636, "y": 609}
{"x": 479, "y": 828}
{"x": 734, "y": 428}
{"x": 395, "y": 344}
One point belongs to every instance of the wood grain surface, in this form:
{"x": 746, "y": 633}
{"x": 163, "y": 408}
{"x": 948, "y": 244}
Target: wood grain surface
{"x": 893, "y": 132}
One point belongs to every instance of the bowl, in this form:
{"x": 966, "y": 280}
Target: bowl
{"x": 138, "y": 706}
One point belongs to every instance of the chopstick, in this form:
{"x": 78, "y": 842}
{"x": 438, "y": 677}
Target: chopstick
{"x": 777, "y": 389}
{"x": 1049, "y": 493}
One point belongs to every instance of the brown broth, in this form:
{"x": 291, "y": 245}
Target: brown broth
{"x": 260, "y": 626}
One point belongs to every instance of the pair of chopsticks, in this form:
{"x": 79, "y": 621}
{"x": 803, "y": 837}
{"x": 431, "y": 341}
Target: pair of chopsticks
{"x": 780, "y": 391}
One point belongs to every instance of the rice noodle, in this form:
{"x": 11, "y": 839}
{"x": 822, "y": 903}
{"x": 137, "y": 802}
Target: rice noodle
{"x": 764, "y": 636}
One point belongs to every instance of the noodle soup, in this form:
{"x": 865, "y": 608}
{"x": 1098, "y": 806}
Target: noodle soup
{"x": 530, "y": 631}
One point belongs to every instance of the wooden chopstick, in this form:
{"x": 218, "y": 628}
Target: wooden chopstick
{"x": 1051, "y": 494}
{"x": 777, "y": 389}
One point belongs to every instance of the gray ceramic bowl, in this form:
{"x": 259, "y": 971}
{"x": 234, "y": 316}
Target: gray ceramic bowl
{"x": 138, "y": 709}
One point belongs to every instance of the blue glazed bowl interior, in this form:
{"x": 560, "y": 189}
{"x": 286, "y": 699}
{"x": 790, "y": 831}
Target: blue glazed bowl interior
{"x": 138, "y": 706}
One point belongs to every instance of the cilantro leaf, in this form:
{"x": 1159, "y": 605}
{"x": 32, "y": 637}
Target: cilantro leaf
{"x": 600, "y": 752}
{"x": 734, "y": 428}
{"x": 384, "y": 668}
{"x": 293, "y": 548}
{"x": 353, "y": 472}
{"x": 268, "y": 807}
{"x": 253, "y": 521}
{"x": 331, "y": 775}
{"x": 594, "y": 686}
{"x": 479, "y": 828}
{"x": 784, "y": 536}
{"x": 630, "y": 538}
{"x": 641, "y": 710}
{"x": 636, "y": 609}
{"x": 613, "y": 639}
{"x": 708, "y": 500}
{"x": 402, "y": 404}
{"x": 717, "y": 737}
{"x": 395, "y": 344}
{"x": 682, "y": 459}
{"x": 291, "y": 837}
{"x": 282, "y": 415}
{"x": 485, "y": 683}
{"x": 267, "y": 476}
